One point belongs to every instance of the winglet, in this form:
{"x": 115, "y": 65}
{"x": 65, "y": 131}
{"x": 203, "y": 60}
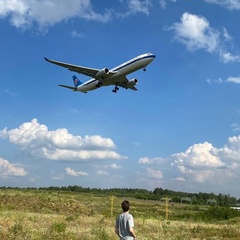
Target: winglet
{"x": 46, "y": 59}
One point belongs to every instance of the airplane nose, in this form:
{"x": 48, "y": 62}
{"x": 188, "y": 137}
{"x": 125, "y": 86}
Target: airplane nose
{"x": 152, "y": 57}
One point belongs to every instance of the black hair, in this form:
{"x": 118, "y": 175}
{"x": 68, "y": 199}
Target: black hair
{"x": 125, "y": 205}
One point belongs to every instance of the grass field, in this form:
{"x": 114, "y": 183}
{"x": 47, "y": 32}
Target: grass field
{"x": 34, "y": 214}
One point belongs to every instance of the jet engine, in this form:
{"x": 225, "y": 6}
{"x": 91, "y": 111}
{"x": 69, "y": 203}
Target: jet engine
{"x": 131, "y": 83}
{"x": 103, "y": 72}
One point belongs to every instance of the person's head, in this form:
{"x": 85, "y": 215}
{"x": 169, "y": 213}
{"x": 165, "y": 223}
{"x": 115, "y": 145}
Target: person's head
{"x": 125, "y": 205}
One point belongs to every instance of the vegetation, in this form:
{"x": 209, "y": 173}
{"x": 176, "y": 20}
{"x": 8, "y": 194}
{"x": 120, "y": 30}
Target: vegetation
{"x": 158, "y": 193}
{"x": 70, "y": 214}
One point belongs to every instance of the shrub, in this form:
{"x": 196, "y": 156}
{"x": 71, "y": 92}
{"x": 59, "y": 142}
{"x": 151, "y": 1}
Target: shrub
{"x": 58, "y": 227}
{"x": 218, "y": 213}
{"x": 100, "y": 233}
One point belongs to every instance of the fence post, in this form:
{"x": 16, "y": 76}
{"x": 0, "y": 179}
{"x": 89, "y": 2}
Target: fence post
{"x": 166, "y": 203}
{"x": 111, "y": 205}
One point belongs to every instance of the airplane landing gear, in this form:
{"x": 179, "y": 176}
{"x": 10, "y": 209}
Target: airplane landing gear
{"x": 99, "y": 84}
{"x": 115, "y": 89}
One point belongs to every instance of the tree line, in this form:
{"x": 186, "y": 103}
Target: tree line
{"x": 157, "y": 194}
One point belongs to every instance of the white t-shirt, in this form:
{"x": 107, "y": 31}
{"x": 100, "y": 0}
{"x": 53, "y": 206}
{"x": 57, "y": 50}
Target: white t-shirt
{"x": 123, "y": 223}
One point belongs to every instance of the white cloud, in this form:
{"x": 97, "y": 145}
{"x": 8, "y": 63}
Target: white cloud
{"x": 179, "y": 179}
{"x": 195, "y": 33}
{"x": 115, "y": 166}
{"x": 76, "y": 34}
{"x": 197, "y": 176}
{"x": 231, "y": 151}
{"x": 147, "y": 160}
{"x": 235, "y": 127}
{"x": 8, "y": 169}
{"x": 139, "y": 6}
{"x": 163, "y": 3}
{"x": 234, "y": 80}
{"x": 228, "y": 80}
{"x": 219, "y": 80}
{"x": 153, "y": 173}
{"x": 77, "y": 155}
{"x": 135, "y": 7}
{"x": 226, "y": 35}
{"x": 101, "y": 172}
{"x": 201, "y": 166}
{"x": 23, "y": 13}
{"x": 199, "y": 155}
{"x": 231, "y": 4}
{"x": 73, "y": 173}
{"x": 228, "y": 57}
{"x": 36, "y": 140}
{"x": 45, "y": 13}
{"x": 203, "y": 163}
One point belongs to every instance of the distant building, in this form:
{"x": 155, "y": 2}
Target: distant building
{"x": 236, "y": 208}
{"x": 212, "y": 202}
{"x": 186, "y": 199}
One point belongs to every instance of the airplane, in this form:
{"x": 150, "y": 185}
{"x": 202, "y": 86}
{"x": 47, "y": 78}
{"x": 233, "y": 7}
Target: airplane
{"x": 106, "y": 77}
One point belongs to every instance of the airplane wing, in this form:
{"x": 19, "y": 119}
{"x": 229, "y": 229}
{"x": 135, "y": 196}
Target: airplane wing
{"x": 133, "y": 88}
{"x": 91, "y": 72}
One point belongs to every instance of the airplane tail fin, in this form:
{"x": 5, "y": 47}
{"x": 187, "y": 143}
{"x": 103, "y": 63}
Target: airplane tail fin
{"x": 76, "y": 81}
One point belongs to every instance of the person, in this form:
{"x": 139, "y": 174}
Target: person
{"x": 124, "y": 227}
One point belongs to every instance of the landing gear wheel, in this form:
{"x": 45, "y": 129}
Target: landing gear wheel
{"x": 115, "y": 89}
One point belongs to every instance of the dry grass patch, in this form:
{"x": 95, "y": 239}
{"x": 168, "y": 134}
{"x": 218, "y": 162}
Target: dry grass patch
{"x": 37, "y": 215}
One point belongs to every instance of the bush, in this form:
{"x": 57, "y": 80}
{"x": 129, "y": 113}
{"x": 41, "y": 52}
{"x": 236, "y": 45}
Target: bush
{"x": 58, "y": 227}
{"x": 218, "y": 213}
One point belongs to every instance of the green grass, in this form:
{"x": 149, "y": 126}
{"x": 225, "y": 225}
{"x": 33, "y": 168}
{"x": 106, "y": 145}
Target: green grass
{"x": 33, "y": 214}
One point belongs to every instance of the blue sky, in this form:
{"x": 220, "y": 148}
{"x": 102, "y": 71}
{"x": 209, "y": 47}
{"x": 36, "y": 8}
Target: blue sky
{"x": 180, "y": 130}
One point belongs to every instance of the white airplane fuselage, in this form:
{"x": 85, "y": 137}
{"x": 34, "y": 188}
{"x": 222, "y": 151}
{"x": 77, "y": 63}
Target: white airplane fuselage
{"x": 121, "y": 71}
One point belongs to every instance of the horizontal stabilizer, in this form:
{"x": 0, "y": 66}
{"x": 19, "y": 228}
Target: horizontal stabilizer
{"x": 69, "y": 87}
